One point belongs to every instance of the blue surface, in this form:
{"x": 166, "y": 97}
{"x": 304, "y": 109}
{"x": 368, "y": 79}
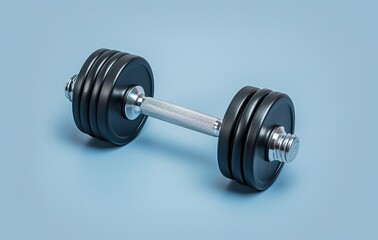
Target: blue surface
{"x": 57, "y": 183}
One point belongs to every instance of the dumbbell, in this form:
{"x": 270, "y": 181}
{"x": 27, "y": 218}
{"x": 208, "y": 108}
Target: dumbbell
{"x": 113, "y": 94}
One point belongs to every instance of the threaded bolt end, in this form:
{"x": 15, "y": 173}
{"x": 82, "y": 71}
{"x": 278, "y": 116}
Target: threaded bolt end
{"x": 68, "y": 90}
{"x": 282, "y": 146}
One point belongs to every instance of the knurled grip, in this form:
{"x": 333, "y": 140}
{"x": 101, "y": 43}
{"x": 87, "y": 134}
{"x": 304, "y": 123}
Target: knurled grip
{"x": 181, "y": 116}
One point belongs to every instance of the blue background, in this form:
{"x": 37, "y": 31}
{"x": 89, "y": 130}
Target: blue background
{"x": 57, "y": 183}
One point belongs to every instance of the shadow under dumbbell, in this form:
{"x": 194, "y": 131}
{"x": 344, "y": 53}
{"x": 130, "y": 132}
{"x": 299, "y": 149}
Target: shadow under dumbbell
{"x": 69, "y": 133}
{"x": 100, "y": 144}
{"x": 73, "y": 135}
{"x": 207, "y": 164}
{"x": 238, "y": 188}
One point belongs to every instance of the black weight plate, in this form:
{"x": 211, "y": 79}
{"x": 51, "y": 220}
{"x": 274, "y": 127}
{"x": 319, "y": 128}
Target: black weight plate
{"x": 276, "y": 109}
{"x": 241, "y": 132}
{"x": 76, "y": 99}
{"x": 129, "y": 70}
{"x": 96, "y": 91}
{"x": 87, "y": 89}
{"x": 226, "y": 134}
